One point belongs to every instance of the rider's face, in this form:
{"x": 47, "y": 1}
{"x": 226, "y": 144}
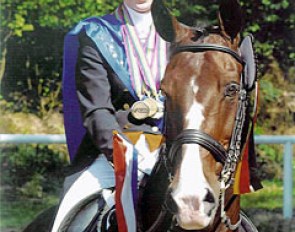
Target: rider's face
{"x": 142, "y": 6}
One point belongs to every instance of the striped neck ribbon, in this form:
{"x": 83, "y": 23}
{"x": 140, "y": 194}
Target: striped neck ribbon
{"x": 147, "y": 61}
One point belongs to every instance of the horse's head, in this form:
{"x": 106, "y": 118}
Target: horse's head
{"x": 201, "y": 85}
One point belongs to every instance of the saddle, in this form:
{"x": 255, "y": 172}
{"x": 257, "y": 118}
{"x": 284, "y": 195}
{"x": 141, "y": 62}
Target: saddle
{"x": 246, "y": 224}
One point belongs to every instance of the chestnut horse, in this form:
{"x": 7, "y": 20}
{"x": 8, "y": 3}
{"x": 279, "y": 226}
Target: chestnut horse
{"x": 190, "y": 187}
{"x": 205, "y": 98}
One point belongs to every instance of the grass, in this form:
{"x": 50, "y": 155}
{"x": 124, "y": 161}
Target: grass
{"x": 18, "y": 213}
{"x": 270, "y": 197}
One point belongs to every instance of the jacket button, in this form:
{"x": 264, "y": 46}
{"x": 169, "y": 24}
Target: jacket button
{"x": 126, "y": 106}
{"x": 127, "y": 126}
{"x": 155, "y": 129}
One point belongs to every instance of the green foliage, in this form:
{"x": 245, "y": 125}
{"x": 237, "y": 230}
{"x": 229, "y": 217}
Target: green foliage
{"x": 25, "y": 123}
{"x": 21, "y": 16}
{"x": 270, "y": 162}
{"x": 14, "y": 17}
{"x": 269, "y": 91}
{"x": 276, "y": 101}
{"x": 270, "y": 197}
{"x": 33, "y": 82}
{"x": 31, "y": 178}
{"x": 33, "y": 188}
{"x": 31, "y": 169}
{"x": 272, "y": 23}
{"x": 17, "y": 212}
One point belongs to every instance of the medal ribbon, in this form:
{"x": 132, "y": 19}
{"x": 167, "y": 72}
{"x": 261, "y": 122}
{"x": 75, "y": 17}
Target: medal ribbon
{"x": 147, "y": 61}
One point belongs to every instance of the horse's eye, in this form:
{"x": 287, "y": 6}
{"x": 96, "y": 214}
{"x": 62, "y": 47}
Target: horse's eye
{"x": 231, "y": 89}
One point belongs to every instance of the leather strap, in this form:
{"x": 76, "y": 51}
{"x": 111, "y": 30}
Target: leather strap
{"x": 208, "y": 47}
{"x": 193, "y": 136}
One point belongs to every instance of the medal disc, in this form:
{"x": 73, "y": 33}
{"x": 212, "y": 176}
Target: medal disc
{"x": 153, "y": 106}
{"x": 148, "y": 108}
{"x": 140, "y": 110}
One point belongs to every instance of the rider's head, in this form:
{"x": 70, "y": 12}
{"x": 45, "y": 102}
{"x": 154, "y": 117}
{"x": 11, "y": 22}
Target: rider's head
{"x": 141, "y": 6}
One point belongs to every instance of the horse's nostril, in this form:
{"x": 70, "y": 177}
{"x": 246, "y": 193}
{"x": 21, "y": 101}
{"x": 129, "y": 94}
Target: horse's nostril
{"x": 209, "y": 197}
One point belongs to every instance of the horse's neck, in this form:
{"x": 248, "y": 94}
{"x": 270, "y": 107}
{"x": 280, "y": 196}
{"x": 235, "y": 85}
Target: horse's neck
{"x": 153, "y": 197}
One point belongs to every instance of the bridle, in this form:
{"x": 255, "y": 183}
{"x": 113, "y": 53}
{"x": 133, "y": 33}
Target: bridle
{"x": 229, "y": 158}
{"x": 208, "y": 47}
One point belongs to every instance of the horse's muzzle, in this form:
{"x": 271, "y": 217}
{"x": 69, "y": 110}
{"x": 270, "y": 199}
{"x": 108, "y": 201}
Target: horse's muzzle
{"x": 191, "y": 211}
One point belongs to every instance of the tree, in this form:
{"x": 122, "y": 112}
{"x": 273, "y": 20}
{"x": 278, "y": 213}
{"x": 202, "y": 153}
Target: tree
{"x": 32, "y": 38}
{"x": 31, "y": 48}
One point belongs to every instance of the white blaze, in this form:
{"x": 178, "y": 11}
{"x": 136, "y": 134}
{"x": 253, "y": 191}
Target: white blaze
{"x": 192, "y": 185}
{"x": 191, "y": 170}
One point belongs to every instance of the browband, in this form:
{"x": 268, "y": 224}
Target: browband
{"x": 208, "y": 47}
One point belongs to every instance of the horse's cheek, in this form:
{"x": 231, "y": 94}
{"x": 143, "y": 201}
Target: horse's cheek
{"x": 209, "y": 169}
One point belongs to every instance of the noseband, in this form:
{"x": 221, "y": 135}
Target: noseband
{"x": 229, "y": 158}
{"x": 192, "y": 136}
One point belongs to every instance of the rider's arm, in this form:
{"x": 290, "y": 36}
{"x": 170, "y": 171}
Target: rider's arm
{"x": 94, "y": 94}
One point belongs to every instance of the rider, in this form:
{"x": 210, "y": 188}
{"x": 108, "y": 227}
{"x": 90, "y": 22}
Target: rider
{"x": 118, "y": 61}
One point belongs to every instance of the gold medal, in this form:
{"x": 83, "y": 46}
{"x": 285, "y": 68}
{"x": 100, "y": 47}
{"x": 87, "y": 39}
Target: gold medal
{"x": 140, "y": 110}
{"x": 148, "y": 108}
{"x": 153, "y": 106}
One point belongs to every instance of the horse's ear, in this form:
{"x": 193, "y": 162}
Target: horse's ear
{"x": 230, "y": 18}
{"x": 166, "y": 24}
{"x": 163, "y": 21}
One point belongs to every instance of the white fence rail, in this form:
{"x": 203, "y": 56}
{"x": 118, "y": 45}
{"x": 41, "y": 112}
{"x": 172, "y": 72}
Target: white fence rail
{"x": 37, "y": 139}
{"x": 286, "y": 140}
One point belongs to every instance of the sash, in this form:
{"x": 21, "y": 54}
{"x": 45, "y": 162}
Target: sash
{"x": 131, "y": 158}
{"x": 106, "y": 34}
